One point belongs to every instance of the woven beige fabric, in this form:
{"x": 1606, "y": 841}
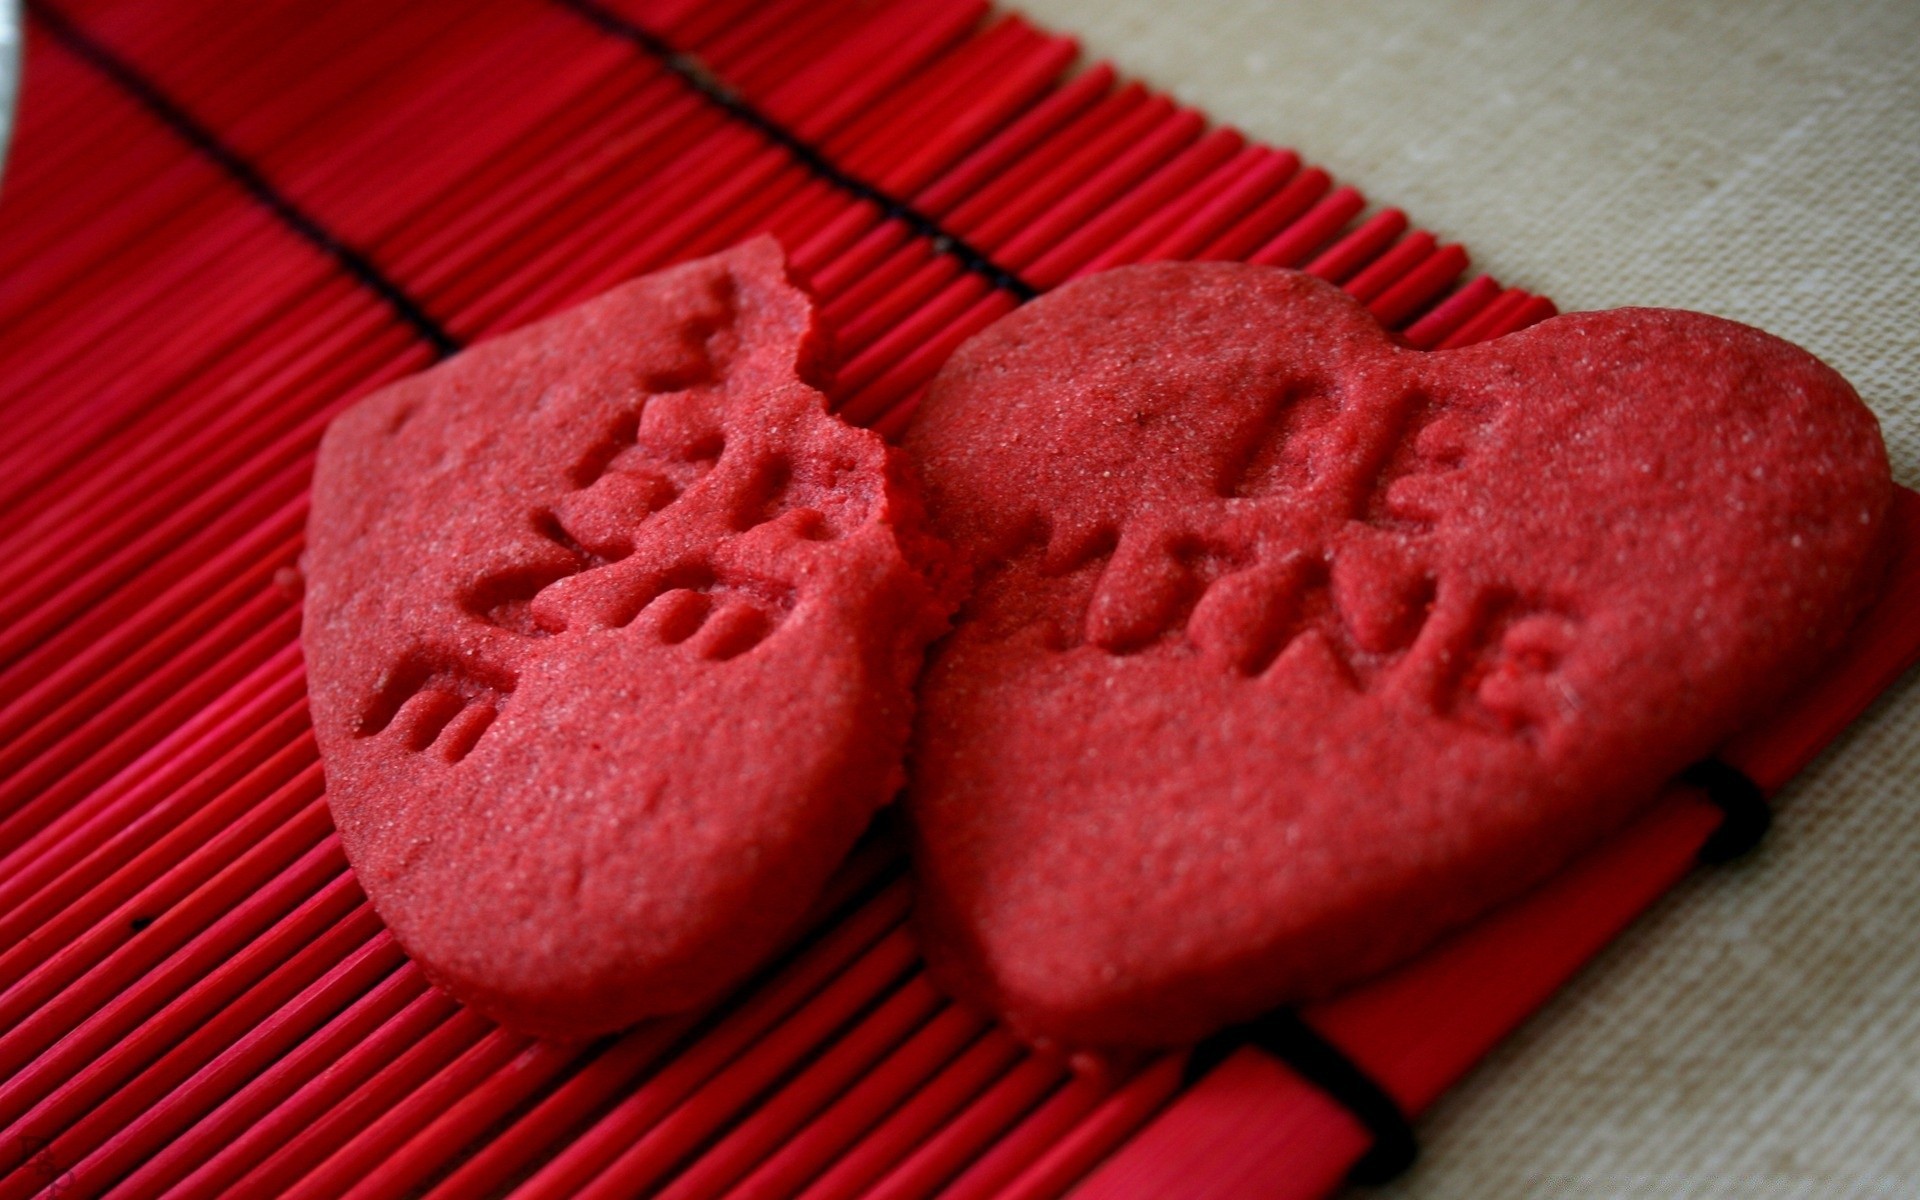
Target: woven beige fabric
{"x": 1758, "y": 1035}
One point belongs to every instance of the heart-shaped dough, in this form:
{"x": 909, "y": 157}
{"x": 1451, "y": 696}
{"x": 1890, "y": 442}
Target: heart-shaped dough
{"x": 1292, "y": 648}
{"x": 611, "y": 631}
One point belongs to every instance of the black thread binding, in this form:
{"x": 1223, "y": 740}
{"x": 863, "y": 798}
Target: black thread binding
{"x": 1297, "y": 1044}
{"x": 162, "y": 107}
{"x": 690, "y": 70}
{"x": 1318, "y": 1061}
{"x": 696, "y": 75}
{"x": 1748, "y": 815}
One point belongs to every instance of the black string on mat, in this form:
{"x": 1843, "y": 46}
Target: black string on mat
{"x": 208, "y": 145}
{"x": 1287, "y": 1037}
{"x": 697, "y": 76}
{"x": 1747, "y": 816}
{"x": 1283, "y": 1034}
{"x": 411, "y": 311}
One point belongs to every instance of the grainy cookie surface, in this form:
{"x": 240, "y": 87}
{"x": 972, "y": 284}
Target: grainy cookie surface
{"x": 1292, "y": 649}
{"x": 611, "y": 631}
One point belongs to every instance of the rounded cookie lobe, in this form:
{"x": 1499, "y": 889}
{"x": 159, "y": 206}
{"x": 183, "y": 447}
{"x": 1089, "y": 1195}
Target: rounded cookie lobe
{"x": 611, "y": 631}
{"x": 1291, "y": 649}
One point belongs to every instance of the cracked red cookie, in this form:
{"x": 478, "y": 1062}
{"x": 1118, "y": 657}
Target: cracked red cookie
{"x": 611, "y": 632}
{"x": 1293, "y": 648}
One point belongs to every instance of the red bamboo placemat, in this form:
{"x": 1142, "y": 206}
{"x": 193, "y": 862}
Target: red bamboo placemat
{"x": 224, "y": 222}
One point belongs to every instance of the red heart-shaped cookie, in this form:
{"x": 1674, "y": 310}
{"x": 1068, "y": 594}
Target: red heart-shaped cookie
{"x": 611, "y": 631}
{"x": 1293, "y": 648}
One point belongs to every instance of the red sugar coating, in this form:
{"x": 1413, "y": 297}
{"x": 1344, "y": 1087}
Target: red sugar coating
{"x": 1292, "y": 648}
{"x": 611, "y": 631}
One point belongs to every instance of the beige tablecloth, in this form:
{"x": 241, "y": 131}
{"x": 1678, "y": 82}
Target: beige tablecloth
{"x": 1758, "y": 1035}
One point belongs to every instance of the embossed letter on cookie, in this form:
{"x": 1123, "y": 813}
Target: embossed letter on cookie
{"x": 1292, "y": 648}
{"x": 612, "y": 631}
